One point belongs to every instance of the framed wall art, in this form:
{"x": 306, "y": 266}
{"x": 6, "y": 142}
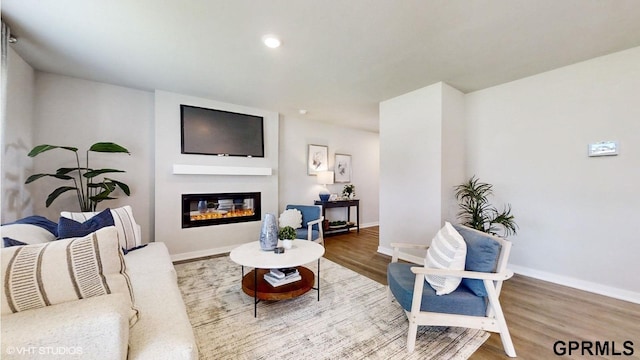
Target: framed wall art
{"x": 342, "y": 168}
{"x": 317, "y": 159}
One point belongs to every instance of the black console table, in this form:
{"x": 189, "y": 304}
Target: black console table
{"x": 342, "y": 203}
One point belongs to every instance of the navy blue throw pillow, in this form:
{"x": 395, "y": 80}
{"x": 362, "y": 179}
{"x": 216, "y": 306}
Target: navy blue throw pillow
{"x": 68, "y": 228}
{"x": 8, "y": 242}
{"x": 39, "y": 221}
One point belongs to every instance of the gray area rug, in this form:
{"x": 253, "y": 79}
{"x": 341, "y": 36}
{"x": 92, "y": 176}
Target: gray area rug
{"x": 352, "y": 320}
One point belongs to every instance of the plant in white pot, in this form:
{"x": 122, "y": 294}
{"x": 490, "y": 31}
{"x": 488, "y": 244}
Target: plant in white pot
{"x": 287, "y": 234}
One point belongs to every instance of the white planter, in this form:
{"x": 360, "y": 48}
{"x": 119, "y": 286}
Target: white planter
{"x": 287, "y": 244}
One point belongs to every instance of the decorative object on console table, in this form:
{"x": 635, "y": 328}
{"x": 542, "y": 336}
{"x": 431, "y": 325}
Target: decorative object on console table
{"x": 349, "y": 192}
{"x": 341, "y": 203}
{"x": 343, "y": 168}
{"x": 318, "y": 159}
{"x": 325, "y": 178}
{"x": 269, "y": 233}
{"x": 88, "y": 192}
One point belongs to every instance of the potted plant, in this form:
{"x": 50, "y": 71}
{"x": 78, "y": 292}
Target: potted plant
{"x": 287, "y": 234}
{"x": 476, "y": 211}
{"x": 89, "y": 188}
{"x": 349, "y": 191}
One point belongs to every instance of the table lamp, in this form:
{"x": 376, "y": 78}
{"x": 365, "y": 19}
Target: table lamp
{"x": 325, "y": 178}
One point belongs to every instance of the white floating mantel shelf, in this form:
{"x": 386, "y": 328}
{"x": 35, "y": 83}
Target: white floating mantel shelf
{"x": 180, "y": 169}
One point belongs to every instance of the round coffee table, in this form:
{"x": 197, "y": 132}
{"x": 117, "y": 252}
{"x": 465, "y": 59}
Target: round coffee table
{"x": 253, "y": 283}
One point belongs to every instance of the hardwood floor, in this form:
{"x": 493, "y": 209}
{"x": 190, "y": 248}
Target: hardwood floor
{"x": 538, "y": 313}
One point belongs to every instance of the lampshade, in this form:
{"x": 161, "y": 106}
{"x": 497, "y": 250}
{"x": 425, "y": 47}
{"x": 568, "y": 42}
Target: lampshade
{"x": 325, "y": 177}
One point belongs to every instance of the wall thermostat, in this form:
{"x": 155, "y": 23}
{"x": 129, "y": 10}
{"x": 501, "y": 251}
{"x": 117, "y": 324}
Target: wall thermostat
{"x": 604, "y": 148}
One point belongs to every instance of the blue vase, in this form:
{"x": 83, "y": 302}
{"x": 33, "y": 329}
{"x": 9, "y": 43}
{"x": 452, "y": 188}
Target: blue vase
{"x": 202, "y": 206}
{"x": 269, "y": 233}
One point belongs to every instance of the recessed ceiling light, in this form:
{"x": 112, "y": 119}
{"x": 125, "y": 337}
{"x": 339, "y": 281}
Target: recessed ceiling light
{"x": 271, "y": 41}
{"x": 302, "y": 111}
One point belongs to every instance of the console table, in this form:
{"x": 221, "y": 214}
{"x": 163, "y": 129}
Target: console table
{"x": 341, "y": 203}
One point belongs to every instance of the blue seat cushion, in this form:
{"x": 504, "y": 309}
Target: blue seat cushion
{"x": 302, "y": 234}
{"x": 462, "y": 301}
{"x": 309, "y": 213}
{"x": 482, "y": 255}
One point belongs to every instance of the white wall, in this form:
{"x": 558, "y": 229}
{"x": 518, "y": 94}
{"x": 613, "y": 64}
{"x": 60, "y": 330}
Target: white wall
{"x": 578, "y": 216}
{"x": 169, "y": 187}
{"x": 421, "y": 134}
{"x": 296, "y": 187}
{"x": 17, "y": 139}
{"x": 75, "y": 112}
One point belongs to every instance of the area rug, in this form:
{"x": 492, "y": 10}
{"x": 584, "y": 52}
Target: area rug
{"x": 352, "y": 320}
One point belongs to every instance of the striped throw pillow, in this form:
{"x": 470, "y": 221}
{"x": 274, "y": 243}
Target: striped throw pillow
{"x": 448, "y": 250}
{"x": 40, "y": 275}
{"x": 128, "y": 229}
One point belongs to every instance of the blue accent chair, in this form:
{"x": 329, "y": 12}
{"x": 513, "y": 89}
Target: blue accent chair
{"x": 311, "y": 222}
{"x": 474, "y": 304}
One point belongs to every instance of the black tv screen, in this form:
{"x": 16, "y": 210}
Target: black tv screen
{"x": 223, "y": 133}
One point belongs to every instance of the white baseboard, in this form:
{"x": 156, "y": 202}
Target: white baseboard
{"x": 203, "y": 253}
{"x": 589, "y": 286}
{"x": 402, "y": 256}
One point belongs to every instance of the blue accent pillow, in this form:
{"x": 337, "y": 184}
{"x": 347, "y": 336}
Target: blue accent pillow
{"x": 68, "y": 228}
{"x": 39, "y": 221}
{"x": 8, "y": 242}
{"x": 482, "y": 255}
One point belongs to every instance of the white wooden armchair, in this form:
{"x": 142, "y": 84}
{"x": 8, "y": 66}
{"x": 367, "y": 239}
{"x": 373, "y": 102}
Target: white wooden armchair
{"x": 474, "y": 304}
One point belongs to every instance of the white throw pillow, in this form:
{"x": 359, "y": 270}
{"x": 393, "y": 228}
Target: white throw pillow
{"x": 448, "y": 250}
{"x": 128, "y": 229}
{"x": 291, "y": 217}
{"x": 65, "y": 270}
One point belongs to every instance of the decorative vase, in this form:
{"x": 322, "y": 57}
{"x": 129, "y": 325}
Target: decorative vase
{"x": 202, "y": 206}
{"x": 269, "y": 233}
{"x": 287, "y": 243}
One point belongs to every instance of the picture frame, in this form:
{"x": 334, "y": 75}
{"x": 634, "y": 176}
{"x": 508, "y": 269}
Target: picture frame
{"x": 317, "y": 159}
{"x": 342, "y": 168}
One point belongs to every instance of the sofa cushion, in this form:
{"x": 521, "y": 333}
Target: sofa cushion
{"x": 128, "y": 229}
{"x": 69, "y": 228}
{"x": 447, "y": 251}
{"x": 30, "y": 230}
{"x": 461, "y": 301}
{"x": 482, "y": 255}
{"x": 60, "y": 271}
{"x": 96, "y": 328}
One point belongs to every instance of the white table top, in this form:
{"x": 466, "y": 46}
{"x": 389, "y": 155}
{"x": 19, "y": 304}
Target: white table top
{"x": 302, "y": 252}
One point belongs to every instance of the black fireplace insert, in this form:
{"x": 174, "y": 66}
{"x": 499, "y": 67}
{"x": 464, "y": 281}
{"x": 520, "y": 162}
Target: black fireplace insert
{"x": 219, "y": 208}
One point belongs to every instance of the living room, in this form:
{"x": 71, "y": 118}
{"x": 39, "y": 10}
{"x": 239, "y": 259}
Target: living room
{"x": 527, "y": 135}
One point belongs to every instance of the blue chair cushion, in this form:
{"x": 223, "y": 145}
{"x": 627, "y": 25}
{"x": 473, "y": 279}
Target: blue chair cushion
{"x": 302, "y": 234}
{"x": 309, "y": 213}
{"x": 462, "y": 301}
{"x": 482, "y": 255}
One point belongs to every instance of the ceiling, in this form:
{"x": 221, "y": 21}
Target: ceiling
{"x": 338, "y": 59}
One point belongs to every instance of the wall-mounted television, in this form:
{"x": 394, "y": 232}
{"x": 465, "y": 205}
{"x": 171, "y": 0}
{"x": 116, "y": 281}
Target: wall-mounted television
{"x": 223, "y": 133}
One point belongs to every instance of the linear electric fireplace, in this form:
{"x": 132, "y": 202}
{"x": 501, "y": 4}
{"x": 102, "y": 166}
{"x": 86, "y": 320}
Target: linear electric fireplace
{"x": 220, "y": 208}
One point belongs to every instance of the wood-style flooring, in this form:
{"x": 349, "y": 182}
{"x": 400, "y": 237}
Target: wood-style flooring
{"x": 540, "y": 315}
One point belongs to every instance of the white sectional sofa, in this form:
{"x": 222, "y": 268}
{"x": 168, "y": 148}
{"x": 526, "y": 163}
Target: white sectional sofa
{"x": 99, "y": 327}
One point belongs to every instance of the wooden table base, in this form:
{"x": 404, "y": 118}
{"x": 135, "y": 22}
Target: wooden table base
{"x": 268, "y": 292}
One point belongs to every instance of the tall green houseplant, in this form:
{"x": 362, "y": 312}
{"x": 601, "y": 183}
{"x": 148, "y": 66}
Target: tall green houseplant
{"x": 476, "y": 211}
{"x": 89, "y": 187}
